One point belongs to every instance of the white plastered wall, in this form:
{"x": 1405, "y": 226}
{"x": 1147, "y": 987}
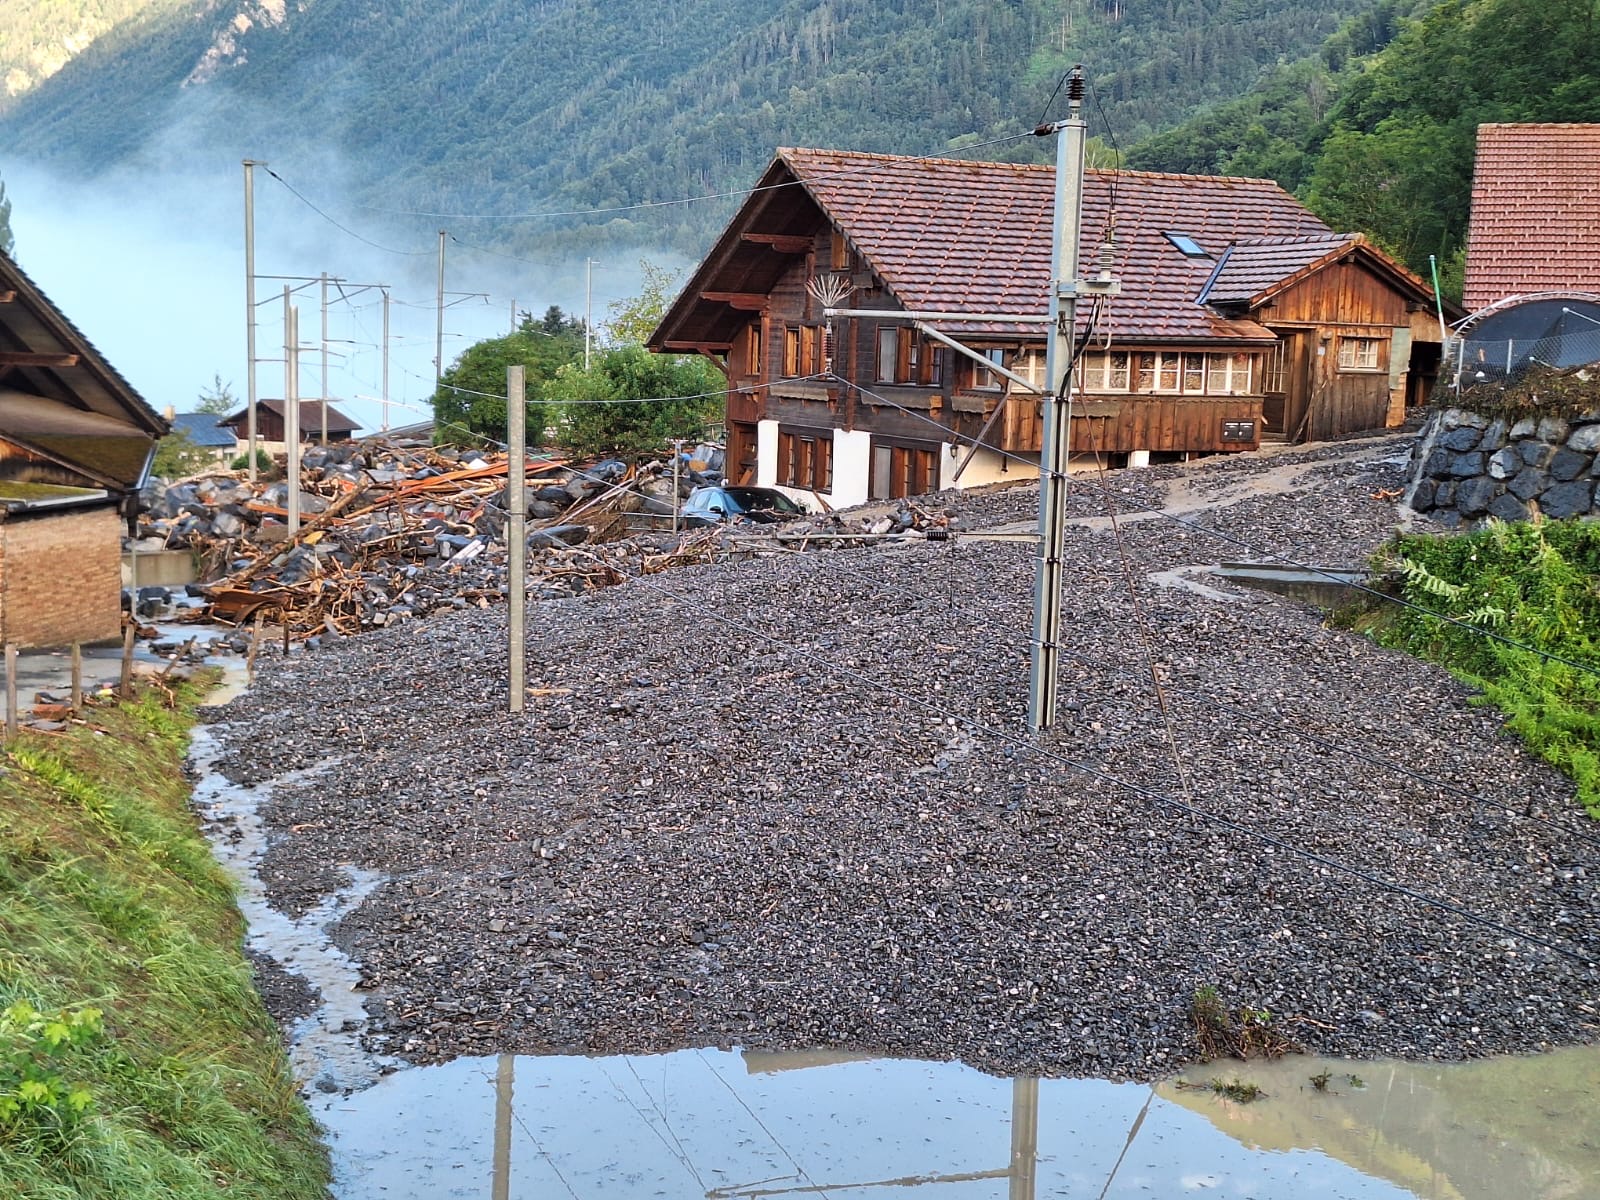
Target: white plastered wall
{"x": 766, "y": 453}
{"x": 852, "y": 467}
{"x": 987, "y": 466}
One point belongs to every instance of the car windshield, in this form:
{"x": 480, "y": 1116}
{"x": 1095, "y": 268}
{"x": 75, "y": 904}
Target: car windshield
{"x": 746, "y": 499}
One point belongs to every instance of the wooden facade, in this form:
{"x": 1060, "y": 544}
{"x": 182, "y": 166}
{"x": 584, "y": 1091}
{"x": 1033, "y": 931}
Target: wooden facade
{"x": 1295, "y": 333}
{"x": 1354, "y": 351}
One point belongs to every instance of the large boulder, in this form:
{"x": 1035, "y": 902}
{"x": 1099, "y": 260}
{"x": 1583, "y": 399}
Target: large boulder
{"x": 1567, "y": 499}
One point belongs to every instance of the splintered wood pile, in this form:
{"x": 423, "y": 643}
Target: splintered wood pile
{"x": 391, "y": 544}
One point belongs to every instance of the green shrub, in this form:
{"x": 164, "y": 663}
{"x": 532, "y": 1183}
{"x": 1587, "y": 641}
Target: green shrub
{"x": 1525, "y": 599}
{"x": 264, "y": 462}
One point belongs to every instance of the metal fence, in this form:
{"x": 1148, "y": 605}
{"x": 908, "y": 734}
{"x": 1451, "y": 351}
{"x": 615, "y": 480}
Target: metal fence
{"x": 1497, "y": 360}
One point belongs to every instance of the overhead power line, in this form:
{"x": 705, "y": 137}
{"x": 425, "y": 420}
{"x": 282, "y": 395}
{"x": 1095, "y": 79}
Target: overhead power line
{"x": 1260, "y": 551}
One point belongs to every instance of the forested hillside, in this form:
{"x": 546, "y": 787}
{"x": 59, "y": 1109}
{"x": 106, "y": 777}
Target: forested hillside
{"x": 512, "y": 106}
{"x": 1377, "y": 132}
{"x": 39, "y": 37}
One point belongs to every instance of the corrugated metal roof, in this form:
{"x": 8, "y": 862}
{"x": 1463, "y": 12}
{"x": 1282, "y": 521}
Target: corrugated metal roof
{"x": 1535, "y": 223}
{"x": 955, "y": 236}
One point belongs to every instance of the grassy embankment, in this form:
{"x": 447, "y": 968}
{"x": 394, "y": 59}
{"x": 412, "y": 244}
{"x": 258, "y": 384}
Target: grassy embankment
{"x": 1535, "y": 584}
{"x": 136, "y": 1060}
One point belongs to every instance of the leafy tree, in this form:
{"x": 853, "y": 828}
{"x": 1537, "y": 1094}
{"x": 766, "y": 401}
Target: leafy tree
{"x": 471, "y": 395}
{"x": 218, "y": 399}
{"x": 631, "y": 402}
{"x": 635, "y": 319}
{"x": 177, "y": 457}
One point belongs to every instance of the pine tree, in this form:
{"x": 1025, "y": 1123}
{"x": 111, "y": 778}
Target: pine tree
{"x": 6, "y": 240}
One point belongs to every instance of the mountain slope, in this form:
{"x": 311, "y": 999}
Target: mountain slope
{"x": 1378, "y": 132}
{"x": 517, "y": 106}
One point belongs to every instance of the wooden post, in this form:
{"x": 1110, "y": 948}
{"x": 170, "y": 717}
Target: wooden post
{"x": 255, "y": 644}
{"x": 125, "y": 690}
{"x": 11, "y": 689}
{"x": 517, "y": 531}
{"x": 77, "y": 676}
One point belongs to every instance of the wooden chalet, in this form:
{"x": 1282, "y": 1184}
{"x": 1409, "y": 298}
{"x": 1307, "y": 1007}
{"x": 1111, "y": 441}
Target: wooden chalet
{"x": 76, "y": 443}
{"x": 315, "y": 418}
{"x": 1241, "y": 316}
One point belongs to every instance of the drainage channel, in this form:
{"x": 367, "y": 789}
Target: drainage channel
{"x": 723, "y": 1124}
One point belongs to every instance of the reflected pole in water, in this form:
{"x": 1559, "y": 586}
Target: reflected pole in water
{"x": 1024, "y": 1137}
{"x": 500, "y": 1184}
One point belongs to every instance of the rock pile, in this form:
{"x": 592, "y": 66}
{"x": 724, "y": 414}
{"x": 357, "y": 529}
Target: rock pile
{"x": 791, "y": 803}
{"x": 1467, "y": 467}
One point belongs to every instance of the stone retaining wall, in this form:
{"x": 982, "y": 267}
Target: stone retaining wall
{"x": 1467, "y": 467}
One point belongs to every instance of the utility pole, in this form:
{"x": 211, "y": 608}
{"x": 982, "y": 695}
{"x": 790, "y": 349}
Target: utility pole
{"x": 250, "y": 313}
{"x": 385, "y": 428}
{"x": 324, "y": 358}
{"x": 1054, "y": 456}
{"x": 588, "y": 308}
{"x": 438, "y": 333}
{"x": 517, "y": 529}
{"x": 291, "y": 408}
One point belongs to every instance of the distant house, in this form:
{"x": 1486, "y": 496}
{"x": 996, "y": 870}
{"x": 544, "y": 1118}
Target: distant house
{"x": 75, "y": 447}
{"x": 1535, "y": 222}
{"x": 1241, "y": 316}
{"x": 316, "y": 418}
{"x": 205, "y": 432}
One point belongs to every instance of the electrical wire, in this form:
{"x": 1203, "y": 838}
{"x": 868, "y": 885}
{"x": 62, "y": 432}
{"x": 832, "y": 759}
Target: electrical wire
{"x": 298, "y": 195}
{"x": 1259, "y": 551}
{"x": 782, "y": 1149}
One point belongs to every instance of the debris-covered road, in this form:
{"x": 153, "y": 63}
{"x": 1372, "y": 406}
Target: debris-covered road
{"x": 789, "y": 802}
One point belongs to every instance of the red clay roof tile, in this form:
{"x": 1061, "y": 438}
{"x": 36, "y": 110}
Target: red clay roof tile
{"x": 956, "y": 236}
{"x": 1535, "y": 223}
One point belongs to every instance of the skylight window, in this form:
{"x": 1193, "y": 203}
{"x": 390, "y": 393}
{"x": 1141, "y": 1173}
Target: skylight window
{"x": 1186, "y": 245}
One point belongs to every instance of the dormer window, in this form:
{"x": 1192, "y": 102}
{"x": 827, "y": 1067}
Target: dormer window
{"x": 1186, "y": 245}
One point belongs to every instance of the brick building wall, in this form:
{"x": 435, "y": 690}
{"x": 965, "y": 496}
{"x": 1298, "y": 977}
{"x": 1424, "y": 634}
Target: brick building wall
{"x": 60, "y": 577}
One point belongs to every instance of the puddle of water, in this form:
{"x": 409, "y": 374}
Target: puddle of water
{"x": 725, "y": 1125}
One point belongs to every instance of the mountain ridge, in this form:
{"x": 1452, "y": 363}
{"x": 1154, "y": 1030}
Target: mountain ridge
{"x": 500, "y": 106}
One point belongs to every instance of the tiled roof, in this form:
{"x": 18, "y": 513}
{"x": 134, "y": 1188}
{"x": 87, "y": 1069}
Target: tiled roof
{"x": 202, "y": 429}
{"x": 957, "y": 236}
{"x": 1256, "y": 265}
{"x": 1535, "y": 222}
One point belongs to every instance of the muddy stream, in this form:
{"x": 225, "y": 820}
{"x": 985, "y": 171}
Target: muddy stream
{"x": 725, "y": 1124}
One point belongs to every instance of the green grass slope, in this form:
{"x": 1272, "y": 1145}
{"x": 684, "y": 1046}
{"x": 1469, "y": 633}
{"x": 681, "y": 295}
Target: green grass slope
{"x": 136, "y": 1061}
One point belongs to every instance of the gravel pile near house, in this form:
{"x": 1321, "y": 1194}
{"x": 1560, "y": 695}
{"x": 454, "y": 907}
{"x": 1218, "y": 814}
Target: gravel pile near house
{"x": 790, "y": 802}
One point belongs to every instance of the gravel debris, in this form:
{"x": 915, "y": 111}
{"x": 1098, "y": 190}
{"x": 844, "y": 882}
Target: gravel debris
{"x": 791, "y": 802}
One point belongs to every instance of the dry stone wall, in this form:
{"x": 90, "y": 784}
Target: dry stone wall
{"x": 1467, "y": 467}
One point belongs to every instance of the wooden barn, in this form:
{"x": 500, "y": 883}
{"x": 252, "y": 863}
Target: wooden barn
{"x": 75, "y": 447}
{"x": 1240, "y": 316}
{"x": 316, "y": 420}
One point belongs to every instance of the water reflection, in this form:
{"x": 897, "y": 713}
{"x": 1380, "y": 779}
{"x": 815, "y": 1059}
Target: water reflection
{"x": 727, "y": 1125}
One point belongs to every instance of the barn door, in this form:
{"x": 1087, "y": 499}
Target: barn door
{"x": 1286, "y": 387}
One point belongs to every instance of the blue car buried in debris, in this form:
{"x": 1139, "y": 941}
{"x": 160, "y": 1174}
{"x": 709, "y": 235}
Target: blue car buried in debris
{"x": 717, "y": 505}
